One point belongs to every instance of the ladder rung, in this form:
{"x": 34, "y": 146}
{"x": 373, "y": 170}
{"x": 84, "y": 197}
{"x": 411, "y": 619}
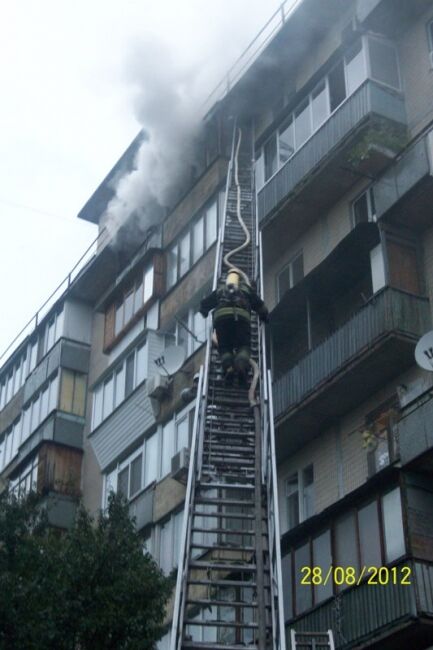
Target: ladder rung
{"x": 223, "y": 566}
{"x": 223, "y": 583}
{"x": 225, "y": 502}
{"x": 224, "y": 531}
{"x": 237, "y": 624}
{"x": 223, "y": 603}
{"x": 223, "y": 547}
{"x": 224, "y": 515}
{"x": 214, "y": 646}
{"x": 225, "y": 486}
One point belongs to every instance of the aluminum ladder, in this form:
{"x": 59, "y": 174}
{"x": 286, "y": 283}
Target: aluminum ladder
{"x": 229, "y": 590}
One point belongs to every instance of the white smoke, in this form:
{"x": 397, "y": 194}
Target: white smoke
{"x": 168, "y": 98}
{"x": 169, "y": 93}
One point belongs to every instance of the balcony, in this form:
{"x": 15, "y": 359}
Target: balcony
{"x": 376, "y": 344}
{"x": 403, "y": 194}
{"x": 401, "y": 614}
{"x": 320, "y": 169}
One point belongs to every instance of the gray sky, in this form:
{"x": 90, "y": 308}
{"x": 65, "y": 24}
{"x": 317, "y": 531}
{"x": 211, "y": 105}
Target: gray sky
{"x": 67, "y": 114}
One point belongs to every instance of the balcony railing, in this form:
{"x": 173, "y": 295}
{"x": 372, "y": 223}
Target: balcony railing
{"x": 389, "y": 311}
{"x": 369, "y": 99}
{"x": 351, "y": 617}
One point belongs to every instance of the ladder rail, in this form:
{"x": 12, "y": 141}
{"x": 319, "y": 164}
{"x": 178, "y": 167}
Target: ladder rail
{"x": 273, "y": 512}
{"x": 219, "y": 252}
{"x": 251, "y": 462}
{"x": 182, "y": 568}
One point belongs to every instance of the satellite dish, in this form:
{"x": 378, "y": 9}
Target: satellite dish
{"x": 171, "y": 360}
{"x": 424, "y": 351}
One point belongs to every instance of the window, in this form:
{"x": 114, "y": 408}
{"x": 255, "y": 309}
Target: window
{"x": 129, "y": 373}
{"x": 393, "y": 525}
{"x": 191, "y": 245}
{"x": 286, "y": 141}
{"x": 383, "y": 62}
{"x": 337, "y": 86}
{"x": 211, "y": 224}
{"x": 184, "y": 254}
{"x": 270, "y": 154}
{"x": 169, "y": 542}
{"x": 72, "y": 393}
{"x": 368, "y": 520}
{"x": 290, "y": 275}
{"x": 299, "y": 496}
{"x": 198, "y": 240}
{"x": 119, "y": 384}
{"x": 302, "y": 123}
{"x": 319, "y": 104}
{"x": 363, "y": 208}
{"x": 151, "y": 458}
{"x": 168, "y": 447}
{"x": 189, "y": 330}
{"x": 303, "y": 592}
{"x": 356, "y": 71}
{"x": 172, "y": 266}
{"x": 132, "y": 299}
{"x": 378, "y": 277}
{"x": 322, "y": 557}
{"x": 26, "y": 479}
{"x": 292, "y": 500}
{"x": 346, "y": 541}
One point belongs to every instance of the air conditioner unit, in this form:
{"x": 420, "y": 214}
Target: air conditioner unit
{"x": 157, "y": 386}
{"x": 180, "y": 465}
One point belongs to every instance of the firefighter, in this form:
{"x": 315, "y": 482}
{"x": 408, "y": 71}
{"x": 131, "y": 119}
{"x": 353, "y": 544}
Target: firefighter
{"x": 233, "y": 302}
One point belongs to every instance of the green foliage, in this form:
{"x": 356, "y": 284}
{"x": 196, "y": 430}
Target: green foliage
{"x": 90, "y": 588}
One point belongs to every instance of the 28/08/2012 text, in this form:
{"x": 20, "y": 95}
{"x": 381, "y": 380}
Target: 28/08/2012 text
{"x": 349, "y": 575}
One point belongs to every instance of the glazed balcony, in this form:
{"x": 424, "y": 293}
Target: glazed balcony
{"x": 402, "y": 614}
{"x": 321, "y": 168}
{"x": 374, "y": 345}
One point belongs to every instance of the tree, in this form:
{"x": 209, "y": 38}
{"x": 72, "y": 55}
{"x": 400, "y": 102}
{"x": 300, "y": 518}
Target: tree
{"x": 89, "y": 588}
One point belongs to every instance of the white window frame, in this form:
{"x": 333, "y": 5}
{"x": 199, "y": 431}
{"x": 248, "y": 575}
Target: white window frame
{"x": 111, "y": 376}
{"x": 301, "y": 493}
{"x": 289, "y": 266}
{"x": 375, "y": 37}
{"x": 371, "y": 205}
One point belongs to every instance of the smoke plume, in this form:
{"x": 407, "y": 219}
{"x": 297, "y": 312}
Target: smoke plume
{"x": 169, "y": 92}
{"x": 167, "y": 103}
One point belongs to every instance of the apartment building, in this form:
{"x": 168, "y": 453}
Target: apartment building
{"x": 341, "y": 101}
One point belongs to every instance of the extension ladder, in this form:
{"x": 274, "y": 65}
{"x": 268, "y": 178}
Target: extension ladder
{"x": 229, "y": 590}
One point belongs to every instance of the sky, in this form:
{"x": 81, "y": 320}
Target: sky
{"x": 71, "y": 92}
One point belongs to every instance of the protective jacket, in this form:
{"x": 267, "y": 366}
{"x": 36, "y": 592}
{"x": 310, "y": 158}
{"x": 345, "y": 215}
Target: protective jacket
{"x": 236, "y": 304}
